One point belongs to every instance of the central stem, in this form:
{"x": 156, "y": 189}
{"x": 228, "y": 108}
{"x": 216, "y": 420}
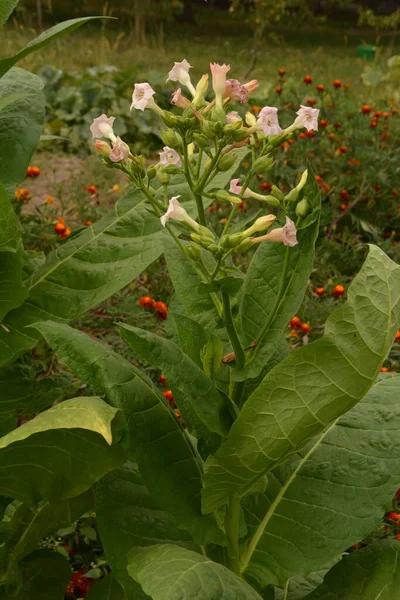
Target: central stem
{"x": 197, "y": 196}
{"x": 240, "y": 358}
{"x": 232, "y": 532}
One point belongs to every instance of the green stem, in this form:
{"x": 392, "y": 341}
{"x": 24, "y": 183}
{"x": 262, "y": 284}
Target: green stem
{"x": 206, "y": 175}
{"x": 216, "y": 270}
{"x": 199, "y": 159}
{"x": 197, "y": 196}
{"x": 230, "y": 327}
{"x": 232, "y": 532}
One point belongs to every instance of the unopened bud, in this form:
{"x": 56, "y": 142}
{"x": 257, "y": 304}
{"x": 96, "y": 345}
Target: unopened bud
{"x": 205, "y": 233}
{"x": 244, "y": 246}
{"x": 151, "y": 172}
{"x": 138, "y": 165}
{"x": 231, "y": 241}
{"x": 226, "y": 161}
{"x": 201, "y": 90}
{"x": 205, "y": 243}
{"x": 208, "y": 128}
{"x": 251, "y": 120}
{"x": 170, "y": 169}
{"x": 228, "y": 129}
{"x": 163, "y": 177}
{"x": 102, "y": 148}
{"x": 262, "y": 165}
{"x": 271, "y": 201}
{"x": 302, "y": 208}
{"x": 193, "y": 252}
{"x": 261, "y": 224}
{"x": 218, "y": 115}
{"x": 277, "y": 193}
{"x": 172, "y": 120}
{"x": 294, "y": 194}
{"x": 201, "y": 140}
{"x": 240, "y": 135}
{"x": 170, "y": 138}
{"x": 224, "y": 196}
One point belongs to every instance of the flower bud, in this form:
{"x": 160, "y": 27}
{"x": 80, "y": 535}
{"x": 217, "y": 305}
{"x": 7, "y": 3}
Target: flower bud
{"x": 218, "y": 115}
{"x": 102, "y": 148}
{"x": 170, "y": 169}
{"x": 251, "y": 120}
{"x": 271, "y": 201}
{"x": 228, "y": 242}
{"x": 201, "y": 140}
{"x": 205, "y": 243}
{"x": 138, "y": 165}
{"x": 170, "y": 138}
{"x": 151, "y": 172}
{"x": 277, "y": 193}
{"x": 240, "y": 135}
{"x": 262, "y": 165}
{"x": 294, "y": 194}
{"x": 244, "y": 246}
{"x": 231, "y": 127}
{"x": 163, "y": 177}
{"x": 193, "y": 252}
{"x": 224, "y": 196}
{"x": 172, "y": 120}
{"x": 208, "y": 128}
{"x": 261, "y": 224}
{"x": 302, "y": 208}
{"x": 201, "y": 91}
{"x": 226, "y": 161}
{"x": 205, "y": 233}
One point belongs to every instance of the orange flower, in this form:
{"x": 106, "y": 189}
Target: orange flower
{"x": 162, "y": 380}
{"x": 295, "y": 323}
{"x": 306, "y": 328}
{"x": 385, "y": 115}
{"x": 162, "y": 310}
{"x": 377, "y": 114}
{"x": 394, "y": 111}
{"x": 87, "y": 223}
{"x": 338, "y": 291}
{"x": 302, "y": 136}
{"x": 337, "y": 126}
{"x": 116, "y": 188}
{"x": 366, "y": 109}
{"x": 49, "y": 200}
{"x": 324, "y": 123}
{"x": 308, "y": 79}
{"x": 278, "y": 90}
{"x": 255, "y": 108}
{"x": 344, "y": 194}
{"x": 343, "y": 207}
{"x": 318, "y": 178}
{"x": 294, "y": 333}
{"x": 397, "y": 338}
{"x": 347, "y": 85}
{"x": 169, "y": 398}
{"x": 65, "y": 233}
{"x": 337, "y": 84}
{"x": 343, "y": 149}
{"x": 394, "y": 516}
{"x": 22, "y": 194}
{"x": 281, "y": 72}
{"x": 33, "y": 172}
{"x": 331, "y": 137}
{"x": 311, "y": 102}
{"x": 320, "y": 87}
{"x": 146, "y": 302}
{"x": 92, "y": 189}
{"x": 354, "y": 161}
{"x": 59, "y": 228}
{"x": 311, "y": 134}
{"x": 384, "y": 370}
{"x": 265, "y": 186}
{"x": 373, "y": 124}
{"x": 320, "y": 291}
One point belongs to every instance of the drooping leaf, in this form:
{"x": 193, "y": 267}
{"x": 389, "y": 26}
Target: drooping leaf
{"x": 167, "y": 572}
{"x": 263, "y": 279}
{"x": 196, "y": 395}
{"x": 128, "y": 516}
{"x": 85, "y": 271}
{"x": 6, "y": 8}
{"x": 154, "y": 438}
{"x": 42, "y": 40}
{"x": 372, "y": 573}
{"x": 106, "y": 589}
{"x": 324, "y": 488}
{"x": 20, "y": 124}
{"x": 61, "y": 452}
{"x": 311, "y": 387}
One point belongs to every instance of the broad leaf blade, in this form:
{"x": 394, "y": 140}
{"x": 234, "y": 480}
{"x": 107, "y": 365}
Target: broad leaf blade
{"x": 325, "y": 487}
{"x": 107, "y": 589}
{"x": 155, "y": 439}
{"x": 6, "y": 8}
{"x": 45, "y": 575}
{"x": 372, "y": 573}
{"x": 43, "y": 40}
{"x": 167, "y": 572}
{"x": 129, "y": 516}
{"x": 312, "y": 386}
{"x": 10, "y": 98}
{"x": 20, "y": 125}
{"x": 61, "y": 452}
{"x": 196, "y": 394}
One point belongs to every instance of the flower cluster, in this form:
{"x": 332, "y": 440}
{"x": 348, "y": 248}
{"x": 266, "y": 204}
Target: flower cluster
{"x": 79, "y": 585}
{"x": 159, "y": 307}
{"x": 33, "y": 172}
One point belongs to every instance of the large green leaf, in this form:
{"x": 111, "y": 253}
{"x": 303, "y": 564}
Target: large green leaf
{"x": 85, "y": 271}
{"x": 196, "y": 395}
{"x": 155, "y": 439}
{"x": 6, "y": 8}
{"x": 42, "y": 40}
{"x": 372, "y": 573}
{"x": 263, "y": 282}
{"x": 20, "y": 124}
{"x": 128, "y": 516}
{"x": 10, "y": 229}
{"x": 167, "y": 572}
{"x": 45, "y": 576}
{"x": 312, "y": 386}
{"x": 107, "y": 589}
{"x": 61, "y": 452}
{"x": 324, "y": 488}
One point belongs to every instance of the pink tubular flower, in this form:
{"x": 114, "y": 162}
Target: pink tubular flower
{"x": 285, "y": 235}
{"x": 119, "y": 152}
{"x": 268, "y": 121}
{"x": 180, "y": 72}
{"x": 176, "y": 212}
{"x": 102, "y": 127}
{"x": 233, "y": 117}
{"x": 236, "y": 91}
{"x": 219, "y": 80}
{"x": 307, "y": 117}
{"x": 170, "y": 157}
{"x": 142, "y": 96}
{"x": 235, "y": 188}
{"x": 179, "y": 100}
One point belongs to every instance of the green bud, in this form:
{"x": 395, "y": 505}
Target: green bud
{"x": 240, "y": 135}
{"x": 277, "y": 193}
{"x": 208, "y": 128}
{"x": 224, "y": 196}
{"x": 170, "y": 138}
{"x": 293, "y": 195}
{"x": 229, "y": 129}
{"x": 244, "y": 246}
{"x": 205, "y": 243}
{"x": 231, "y": 241}
{"x": 218, "y": 115}
{"x": 151, "y": 172}
{"x": 171, "y": 120}
{"x": 201, "y": 140}
{"x": 163, "y": 177}
{"x": 205, "y": 233}
{"x": 302, "y": 208}
{"x": 193, "y": 252}
{"x": 226, "y": 161}
{"x": 271, "y": 201}
{"x": 138, "y": 165}
{"x": 170, "y": 169}
{"x": 262, "y": 165}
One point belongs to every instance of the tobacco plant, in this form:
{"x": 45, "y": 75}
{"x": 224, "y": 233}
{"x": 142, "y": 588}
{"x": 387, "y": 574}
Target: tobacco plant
{"x": 274, "y": 463}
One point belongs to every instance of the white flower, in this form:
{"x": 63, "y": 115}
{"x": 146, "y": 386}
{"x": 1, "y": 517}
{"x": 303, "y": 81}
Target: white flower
{"x": 170, "y": 157}
{"x": 142, "y": 96}
{"x": 119, "y": 152}
{"x": 285, "y": 235}
{"x": 176, "y": 212}
{"x": 308, "y": 118}
{"x": 102, "y": 127}
{"x": 268, "y": 121}
{"x": 180, "y": 72}
{"x": 233, "y": 117}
